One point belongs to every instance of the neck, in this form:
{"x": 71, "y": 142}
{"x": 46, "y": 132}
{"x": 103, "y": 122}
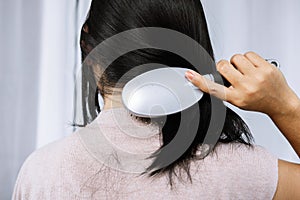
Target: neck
{"x": 112, "y": 101}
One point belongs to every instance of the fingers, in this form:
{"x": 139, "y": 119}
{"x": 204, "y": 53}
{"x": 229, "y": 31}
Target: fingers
{"x": 256, "y": 59}
{"x": 242, "y": 64}
{"x": 229, "y": 72}
{"x": 242, "y": 72}
{"x": 207, "y": 85}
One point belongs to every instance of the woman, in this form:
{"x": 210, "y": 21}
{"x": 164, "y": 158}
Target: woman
{"x": 83, "y": 166}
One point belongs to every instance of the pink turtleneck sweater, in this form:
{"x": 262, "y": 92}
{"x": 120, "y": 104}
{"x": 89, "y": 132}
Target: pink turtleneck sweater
{"x": 104, "y": 161}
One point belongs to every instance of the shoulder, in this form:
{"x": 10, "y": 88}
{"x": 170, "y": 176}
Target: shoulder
{"x": 53, "y": 167}
{"x": 253, "y": 160}
{"x": 53, "y": 154}
{"x": 250, "y": 171}
{"x": 242, "y": 153}
{"x": 67, "y": 152}
{"x": 50, "y": 157}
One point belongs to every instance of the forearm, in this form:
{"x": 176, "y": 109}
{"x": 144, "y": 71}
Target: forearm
{"x": 288, "y": 122}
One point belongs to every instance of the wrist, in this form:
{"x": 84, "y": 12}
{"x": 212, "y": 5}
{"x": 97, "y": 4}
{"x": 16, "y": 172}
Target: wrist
{"x": 290, "y": 107}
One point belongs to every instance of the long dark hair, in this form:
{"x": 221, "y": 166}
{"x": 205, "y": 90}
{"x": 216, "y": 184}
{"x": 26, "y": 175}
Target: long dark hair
{"x": 110, "y": 17}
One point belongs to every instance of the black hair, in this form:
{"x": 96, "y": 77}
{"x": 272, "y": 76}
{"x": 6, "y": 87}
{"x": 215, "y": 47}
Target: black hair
{"x": 110, "y": 17}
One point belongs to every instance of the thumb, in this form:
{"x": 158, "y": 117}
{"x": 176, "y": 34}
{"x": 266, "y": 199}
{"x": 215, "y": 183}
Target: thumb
{"x": 206, "y": 85}
{"x": 198, "y": 80}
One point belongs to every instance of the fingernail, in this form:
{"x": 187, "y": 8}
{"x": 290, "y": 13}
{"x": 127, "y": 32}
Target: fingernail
{"x": 189, "y": 75}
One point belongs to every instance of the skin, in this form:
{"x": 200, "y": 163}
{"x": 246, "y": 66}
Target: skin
{"x": 113, "y": 101}
{"x": 256, "y": 85}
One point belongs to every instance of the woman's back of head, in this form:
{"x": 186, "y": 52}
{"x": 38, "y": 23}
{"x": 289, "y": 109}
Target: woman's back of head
{"x": 110, "y": 17}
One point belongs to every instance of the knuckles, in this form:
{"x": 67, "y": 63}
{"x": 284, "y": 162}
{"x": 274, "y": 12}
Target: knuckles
{"x": 213, "y": 90}
{"x": 265, "y": 74}
{"x": 249, "y": 54}
{"x": 270, "y": 71}
{"x": 222, "y": 64}
{"x": 236, "y": 58}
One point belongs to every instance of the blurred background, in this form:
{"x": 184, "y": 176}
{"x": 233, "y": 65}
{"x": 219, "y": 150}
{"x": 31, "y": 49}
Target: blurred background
{"x": 40, "y": 57}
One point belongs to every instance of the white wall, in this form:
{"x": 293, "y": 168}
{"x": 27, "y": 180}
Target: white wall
{"x": 60, "y": 62}
{"x": 38, "y": 64}
{"x": 19, "y": 68}
{"x": 271, "y": 28}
